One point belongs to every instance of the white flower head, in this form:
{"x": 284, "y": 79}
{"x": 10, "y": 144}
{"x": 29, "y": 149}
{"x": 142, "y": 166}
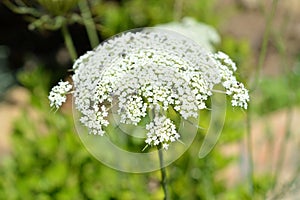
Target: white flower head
{"x": 58, "y": 94}
{"x": 162, "y": 131}
{"x": 145, "y": 72}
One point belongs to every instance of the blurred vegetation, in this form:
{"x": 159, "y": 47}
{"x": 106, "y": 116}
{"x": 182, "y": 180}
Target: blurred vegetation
{"x": 279, "y": 92}
{"x": 47, "y": 159}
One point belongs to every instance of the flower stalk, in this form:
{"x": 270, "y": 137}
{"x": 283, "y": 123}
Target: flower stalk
{"x": 264, "y": 46}
{"x": 88, "y": 23}
{"x": 255, "y": 84}
{"x": 68, "y": 41}
{"x": 163, "y": 182}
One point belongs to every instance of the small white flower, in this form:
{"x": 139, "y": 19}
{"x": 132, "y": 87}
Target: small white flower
{"x": 161, "y": 131}
{"x": 165, "y": 146}
{"x": 58, "y": 94}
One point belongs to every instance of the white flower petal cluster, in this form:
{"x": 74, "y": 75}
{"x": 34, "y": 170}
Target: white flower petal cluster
{"x": 239, "y": 93}
{"x": 58, "y": 94}
{"x": 95, "y": 120}
{"x": 150, "y": 71}
{"x": 132, "y": 109}
{"x": 162, "y": 131}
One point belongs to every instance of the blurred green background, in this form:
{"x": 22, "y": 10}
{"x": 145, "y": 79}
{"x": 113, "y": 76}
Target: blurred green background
{"x": 41, "y": 156}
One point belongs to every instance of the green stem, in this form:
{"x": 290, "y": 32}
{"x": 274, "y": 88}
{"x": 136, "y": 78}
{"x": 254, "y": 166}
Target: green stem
{"x": 68, "y": 41}
{"x": 88, "y": 22}
{"x": 249, "y": 150}
{"x": 163, "y": 174}
{"x": 21, "y": 8}
{"x": 289, "y": 112}
{"x": 177, "y": 11}
{"x": 257, "y": 78}
{"x": 263, "y": 52}
{"x": 283, "y": 146}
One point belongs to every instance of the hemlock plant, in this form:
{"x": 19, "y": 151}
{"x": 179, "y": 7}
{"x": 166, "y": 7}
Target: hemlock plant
{"x": 147, "y": 73}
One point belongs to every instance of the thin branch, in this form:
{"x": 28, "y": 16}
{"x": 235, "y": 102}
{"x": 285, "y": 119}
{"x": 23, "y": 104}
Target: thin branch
{"x": 177, "y": 11}
{"x": 249, "y": 150}
{"x": 263, "y": 52}
{"x": 69, "y": 42}
{"x": 88, "y": 22}
{"x": 22, "y": 9}
{"x": 163, "y": 174}
{"x": 283, "y": 147}
{"x": 257, "y": 78}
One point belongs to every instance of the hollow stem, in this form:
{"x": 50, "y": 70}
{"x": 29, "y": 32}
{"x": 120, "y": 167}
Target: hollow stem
{"x": 88, "y": 22}
{"x": 163, "y": 174}
{"x": 177, "y": 11}
{"x": 254, "y": 85}
{"x": 283, "y": 147}
{"x": 263, "y": 52}
{"x": 68, "y": 41}
{"x": 249, "y": 150}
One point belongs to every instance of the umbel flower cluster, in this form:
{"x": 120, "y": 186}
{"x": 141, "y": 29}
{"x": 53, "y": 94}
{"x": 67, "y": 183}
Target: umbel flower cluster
{"x": 148, "y": 72}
